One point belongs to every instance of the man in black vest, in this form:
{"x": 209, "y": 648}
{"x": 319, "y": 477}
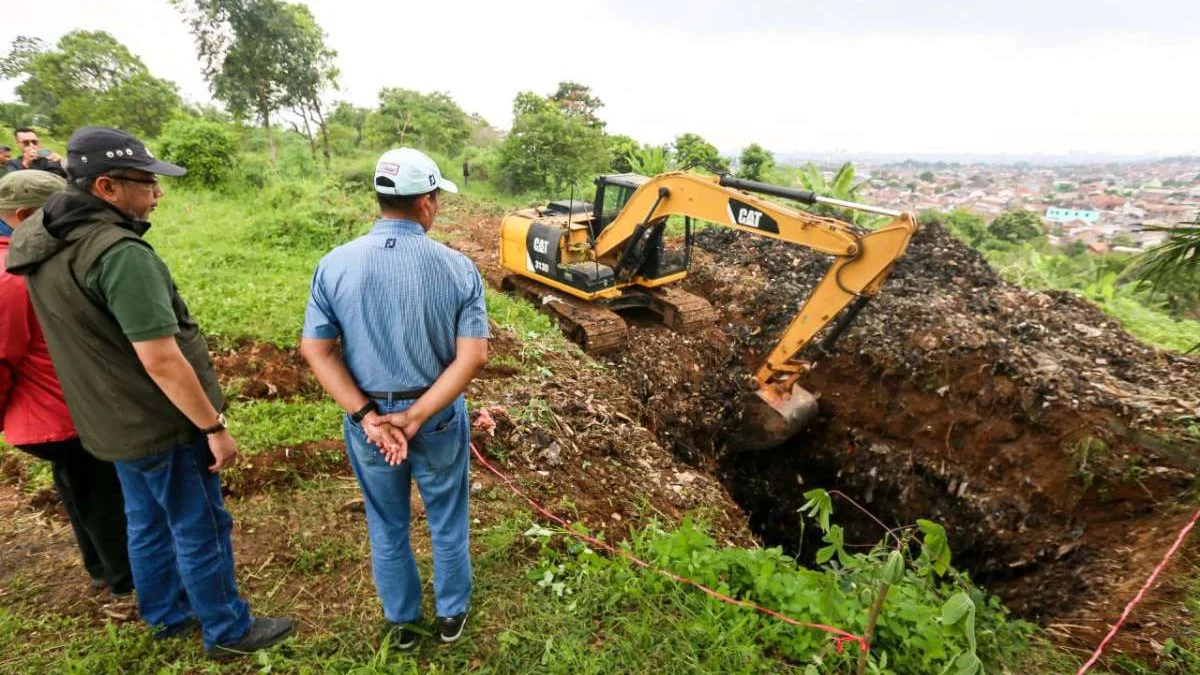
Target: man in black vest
{"x": 140, "y": 386}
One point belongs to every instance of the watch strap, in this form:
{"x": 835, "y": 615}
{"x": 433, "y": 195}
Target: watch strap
{"x": 219, "y": 426}
{"x": 370, "y": 407}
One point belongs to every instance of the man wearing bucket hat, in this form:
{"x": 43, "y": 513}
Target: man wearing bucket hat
{"x": 34, "y": 417}
{"x": 140, "y": 386}
{"x": 409, "y": 313}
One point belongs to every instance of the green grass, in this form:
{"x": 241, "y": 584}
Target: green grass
{"x": 1097, "y": 279}
{"x": 264, "y": 425}
{"x": 536, "y": 331}
{"x": 235, "y": 286}
{"x": 543, "y": 604}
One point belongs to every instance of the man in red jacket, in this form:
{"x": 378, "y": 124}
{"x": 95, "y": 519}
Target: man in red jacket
{"x": 33, "y": 412}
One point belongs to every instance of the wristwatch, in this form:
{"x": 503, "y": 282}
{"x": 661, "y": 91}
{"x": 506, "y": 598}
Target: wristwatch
{"x": 370, "y": 407}
{"x": 219, "y": 426}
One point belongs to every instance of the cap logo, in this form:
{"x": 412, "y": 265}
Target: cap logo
{"x": 387, "y": 168}
{"x": 432, "y": 180}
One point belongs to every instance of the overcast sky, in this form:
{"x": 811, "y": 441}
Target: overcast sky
{"x": 943, "y": 76}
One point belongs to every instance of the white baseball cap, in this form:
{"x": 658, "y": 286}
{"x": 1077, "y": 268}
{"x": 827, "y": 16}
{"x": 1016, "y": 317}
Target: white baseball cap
{"x": 405, "y": 171}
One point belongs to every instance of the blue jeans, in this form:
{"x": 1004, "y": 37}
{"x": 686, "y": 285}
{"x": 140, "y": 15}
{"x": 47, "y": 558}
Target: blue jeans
{"x": 179, "y": 542}
{"x": 438, "y": 461}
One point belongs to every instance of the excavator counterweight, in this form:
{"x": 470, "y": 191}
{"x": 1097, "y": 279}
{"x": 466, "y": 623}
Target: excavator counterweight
{"x": 586, "y": 263}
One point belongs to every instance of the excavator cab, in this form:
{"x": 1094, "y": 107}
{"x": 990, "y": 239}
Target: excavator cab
{"x": 651, "y": 260}
{"x": 612, "y": 193}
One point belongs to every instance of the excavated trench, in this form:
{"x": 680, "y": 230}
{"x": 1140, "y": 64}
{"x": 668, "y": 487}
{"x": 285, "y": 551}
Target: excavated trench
{"x": 1029, "y": 424}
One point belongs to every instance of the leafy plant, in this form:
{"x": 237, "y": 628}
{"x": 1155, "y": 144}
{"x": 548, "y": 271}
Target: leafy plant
{"x": 207, "y": 149}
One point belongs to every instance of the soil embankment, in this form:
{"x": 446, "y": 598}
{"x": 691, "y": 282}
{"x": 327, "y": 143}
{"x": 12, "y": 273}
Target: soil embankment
{"x": 1031, "y": 424}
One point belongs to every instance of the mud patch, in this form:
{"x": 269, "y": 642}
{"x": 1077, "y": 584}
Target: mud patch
{"x": 256, "y": 370}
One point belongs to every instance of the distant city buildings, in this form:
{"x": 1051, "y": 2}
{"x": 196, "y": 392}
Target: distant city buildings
{"x": 1105, "y": 206}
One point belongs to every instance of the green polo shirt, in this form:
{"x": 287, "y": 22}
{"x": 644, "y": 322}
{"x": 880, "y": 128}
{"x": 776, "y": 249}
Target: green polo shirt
{"x": 135, "y": 285}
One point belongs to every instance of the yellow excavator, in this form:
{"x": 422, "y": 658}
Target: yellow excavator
{"x": 584, "y": 263}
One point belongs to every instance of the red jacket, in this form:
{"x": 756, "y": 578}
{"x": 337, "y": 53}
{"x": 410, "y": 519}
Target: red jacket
{"x": 32, "y": 407}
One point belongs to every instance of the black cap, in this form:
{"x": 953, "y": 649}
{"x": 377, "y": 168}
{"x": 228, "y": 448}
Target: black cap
{"x": 94, "y": 150}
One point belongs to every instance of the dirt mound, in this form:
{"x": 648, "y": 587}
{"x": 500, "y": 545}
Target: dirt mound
{"x": 943, "y": 299}
{"x": 255, "y": 370}
{"x": 1030, "y": 423}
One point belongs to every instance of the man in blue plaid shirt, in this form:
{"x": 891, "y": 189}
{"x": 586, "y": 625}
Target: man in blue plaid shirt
{"x": 410, "y": 317}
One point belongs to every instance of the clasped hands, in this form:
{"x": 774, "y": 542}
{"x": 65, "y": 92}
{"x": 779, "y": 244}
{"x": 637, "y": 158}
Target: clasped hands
{"x": 390, "y": 433}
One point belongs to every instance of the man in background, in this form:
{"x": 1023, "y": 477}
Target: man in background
{"x": 33, "y": 411}
{"x": 410, "y": 317}
{"x": 33, "y": 155}
{"x": 5, "y": 158}
{"x": 142, "y": 391}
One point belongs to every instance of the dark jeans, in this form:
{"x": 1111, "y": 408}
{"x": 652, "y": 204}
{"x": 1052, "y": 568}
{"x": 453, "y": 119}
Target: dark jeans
{"x": 91, "y": 492}
{"x": 180, "y": 542}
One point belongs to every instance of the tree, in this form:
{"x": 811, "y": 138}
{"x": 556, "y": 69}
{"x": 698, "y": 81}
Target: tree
{"x": 207, "y": 149}
{"x": 433, "y": 121}
{"x": 842, "y": 186}
{"x": 926, "y": 176}
{"x": 967, "y": 226}
{"x": 1016, "y": 227}
{"x": 576, "y": 100}
{"x": 308, "y": 85}
{"x": 651, "y": 160}
{"x": 549, "y": 149}
{"x": 693, "y": 151}
{"x": 87, "y": 78}
{"x": 754, "y": 162}
{"x": 260, "y": 56}
{"x": 347, "y": 115}
{"x": 1172, "y": 268}
{"x": 620, "y": 147}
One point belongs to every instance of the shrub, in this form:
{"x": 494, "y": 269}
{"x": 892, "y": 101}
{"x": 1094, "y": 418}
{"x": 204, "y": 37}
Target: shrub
{"x": 207, "y": 149}
{"x": 312, "y": 217}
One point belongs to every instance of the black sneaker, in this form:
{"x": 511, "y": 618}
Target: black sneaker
{"x": 264, "y": 632}
{"x": 450, "y": 628}
{"x": 401, "y": 636}
{"x": 184, "y": 628}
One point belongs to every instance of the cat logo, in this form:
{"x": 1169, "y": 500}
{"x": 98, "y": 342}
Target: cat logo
{"x": 745, "y": 215}
{"x": 541, "y": 245}
{"x": 748, "y": 217}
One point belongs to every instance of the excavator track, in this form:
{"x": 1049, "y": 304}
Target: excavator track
{"x": 681, "y": 311}
{"x": 591, "y": 326}
{"x": 597, "y": 327}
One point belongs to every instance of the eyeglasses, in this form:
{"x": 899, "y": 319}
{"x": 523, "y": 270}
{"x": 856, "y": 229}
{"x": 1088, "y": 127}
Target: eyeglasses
{"x": 129, "y": 179}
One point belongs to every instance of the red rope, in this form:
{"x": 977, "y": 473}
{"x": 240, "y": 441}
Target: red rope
{"x": 839, "y": 636}
{"x": 1138, "y": 598}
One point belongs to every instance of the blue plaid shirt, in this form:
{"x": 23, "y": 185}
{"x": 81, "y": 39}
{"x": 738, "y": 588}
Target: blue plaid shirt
{"x": 398, "y": 300}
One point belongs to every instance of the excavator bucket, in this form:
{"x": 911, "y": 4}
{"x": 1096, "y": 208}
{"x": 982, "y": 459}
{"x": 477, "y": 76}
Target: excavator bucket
{"x": 770, "y": 417}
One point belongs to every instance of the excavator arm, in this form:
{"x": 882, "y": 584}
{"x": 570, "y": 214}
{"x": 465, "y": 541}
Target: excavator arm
{"x": 615, "y": 256}
{"x": 862, "y": 260}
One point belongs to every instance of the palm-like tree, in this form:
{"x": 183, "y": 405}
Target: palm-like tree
{"x": 1173, "y": 264}
{"x": 841, "y": 187}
